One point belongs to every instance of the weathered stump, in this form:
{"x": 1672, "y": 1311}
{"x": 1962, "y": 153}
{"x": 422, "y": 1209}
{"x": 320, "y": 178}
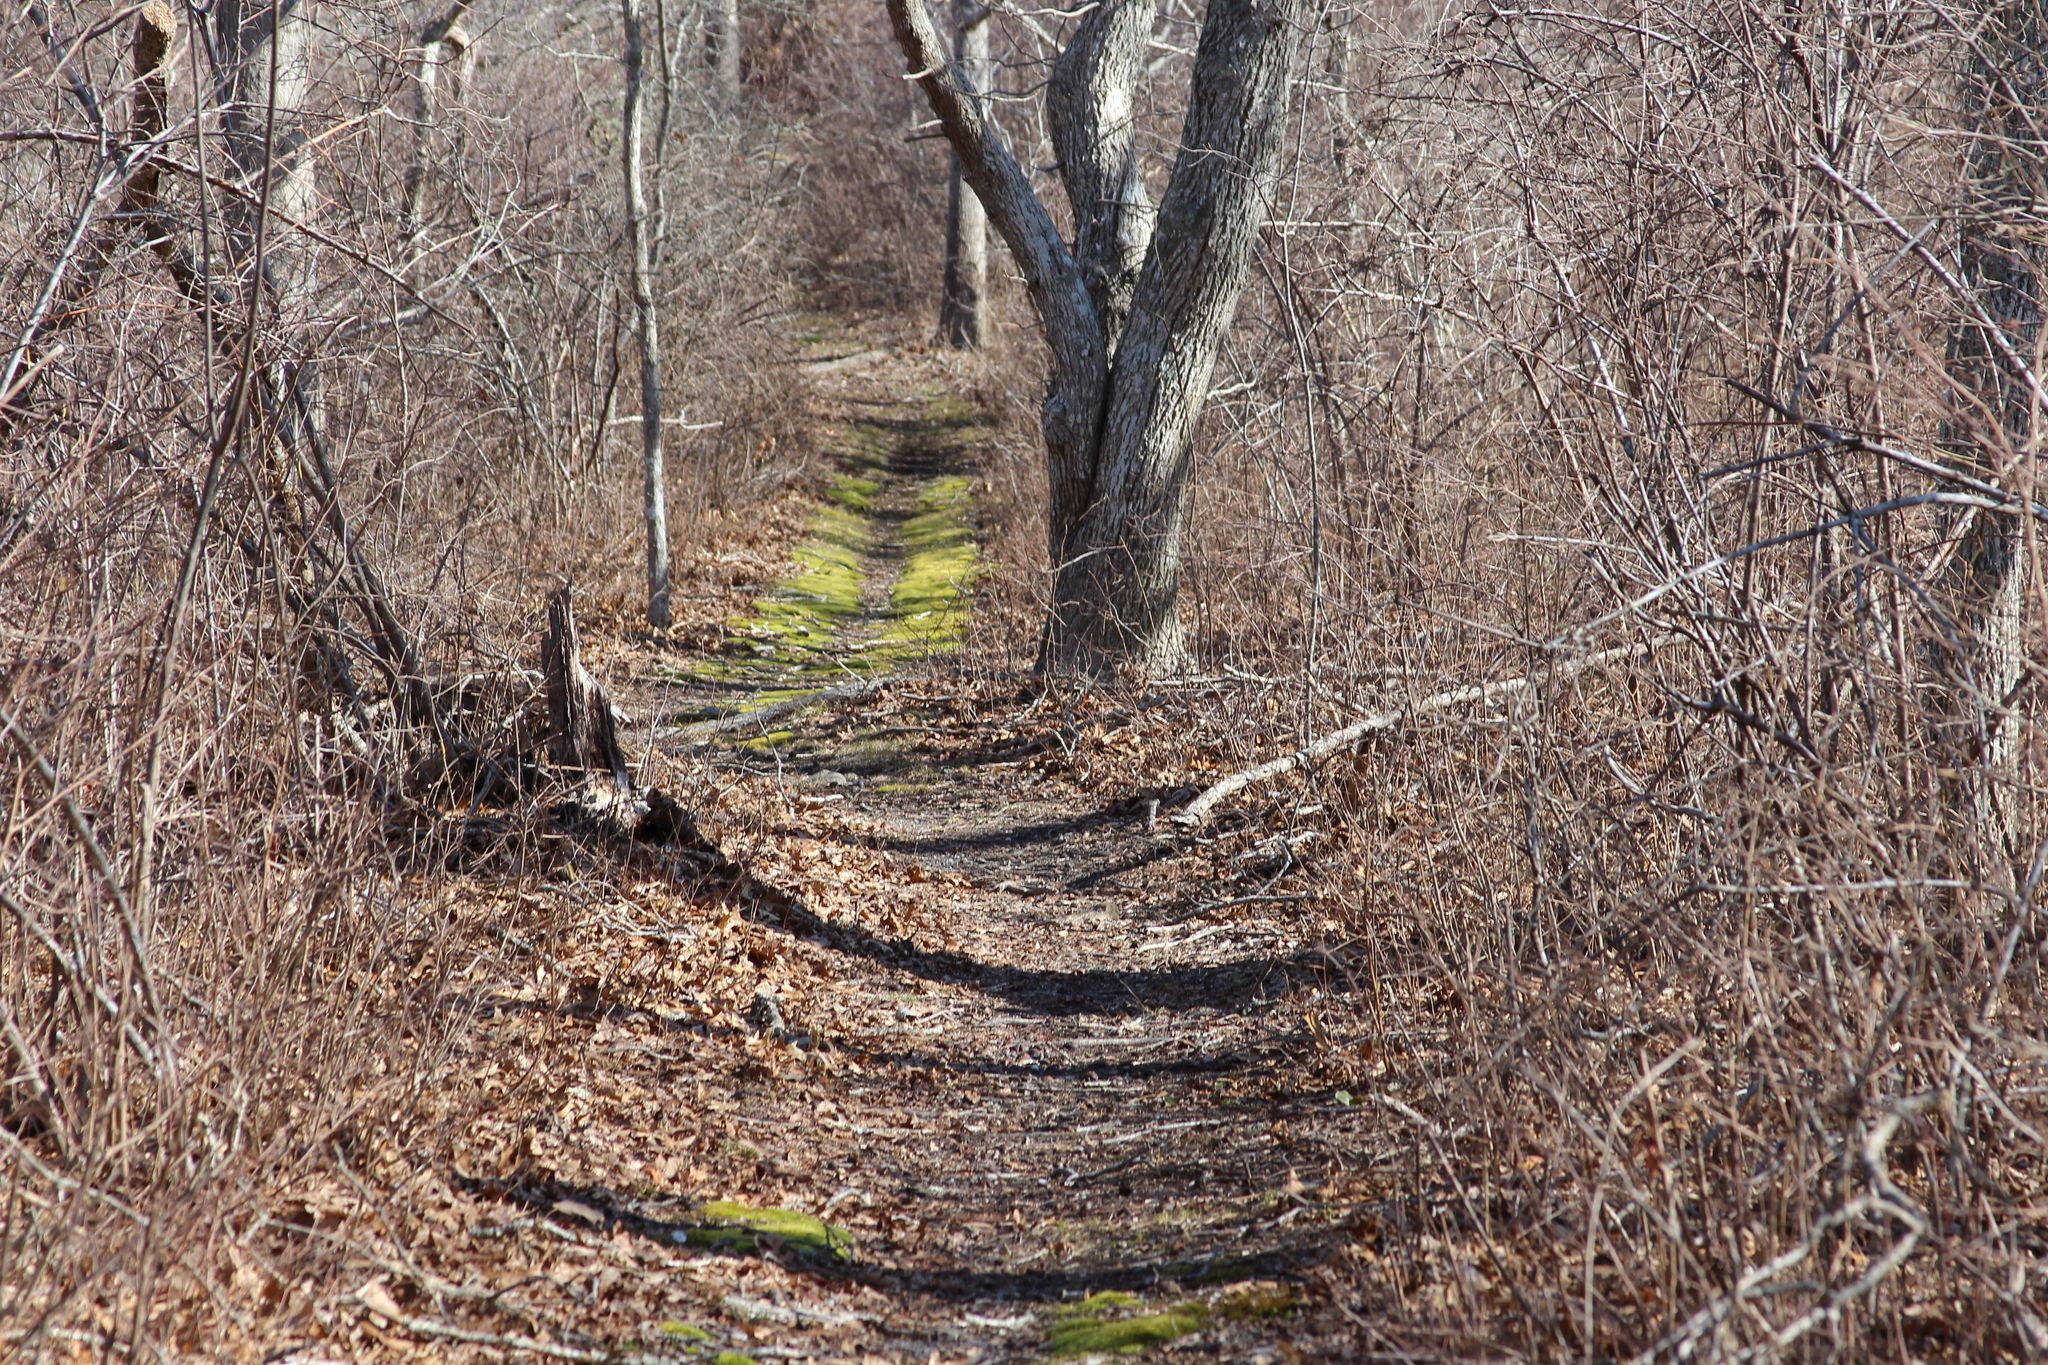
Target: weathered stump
{"x": 581, "y": 734}
{"x": 583, "y": 739}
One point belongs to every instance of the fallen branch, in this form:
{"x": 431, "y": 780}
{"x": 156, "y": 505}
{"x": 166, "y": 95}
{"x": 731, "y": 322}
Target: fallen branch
{"x": 1198, "y": 809}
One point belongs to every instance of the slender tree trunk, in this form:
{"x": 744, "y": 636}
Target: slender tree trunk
{"x": 961, "y": 320}
{"x": 267, "y": 50}
{"x": 443, "y": 43}
{"x": 722, "y": 41}
{"x": 2003, "y": 258}
{"x": 639, "y": 228}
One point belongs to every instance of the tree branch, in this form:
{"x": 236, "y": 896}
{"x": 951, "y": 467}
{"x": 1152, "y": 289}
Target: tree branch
{"x": 1073, "y": 327}
{"x": 1198, "y": 809}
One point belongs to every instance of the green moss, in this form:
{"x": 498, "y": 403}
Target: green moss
{"x": 854, "y": 492}
{"x": 1257, "y": 1303}
{"x": 728, "y": 1226}
{"x": 928, "y": 602}
{"x": 950, "y": 410}
{"x": 1102, "y": 1324}
{"x": 820, "y": 625}
{"x": 683, "y": 1331}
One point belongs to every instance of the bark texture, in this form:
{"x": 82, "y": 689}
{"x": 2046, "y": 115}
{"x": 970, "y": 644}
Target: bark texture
{"x": 266, "y": 50}
{"x": 2003, "y": 257}
{"x": 444, "y": 43}
{"x": 723, "y": 42}
{"x": 1135, "y": 309}
{"x": 582, "y": 736}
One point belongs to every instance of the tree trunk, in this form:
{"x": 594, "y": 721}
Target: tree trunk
{"x": 722, "y": 41}
{"x": 654, "y": 490}
{"x": 267, "y": 53}
{"x": 582, "y": 737}
{"x": 2002, "y": 259}
{"x": 1134, "y": 312}
{"x": 966, "y": 285}
{"x": 444, "y": 42}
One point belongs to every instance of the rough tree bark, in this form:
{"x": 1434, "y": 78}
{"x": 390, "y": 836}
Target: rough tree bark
{"x": 648, "y": 325}
{"x": 1994, "y": 354}
{"x": 966, "y": 279}
{"x": 266, "y": 52}
{"x": 1135, "y": 309}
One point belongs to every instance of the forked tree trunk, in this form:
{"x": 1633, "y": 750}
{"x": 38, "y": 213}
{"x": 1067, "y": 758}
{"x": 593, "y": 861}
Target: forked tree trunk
{"x": 648, "y": 324}
{"x": 2003, "y": 258}
{"x": 1135, "y": 310}
{"x": 966, "y": 282}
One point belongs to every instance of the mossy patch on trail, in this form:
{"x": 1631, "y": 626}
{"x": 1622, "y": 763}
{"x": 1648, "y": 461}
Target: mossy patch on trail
{"x": 831, "y": 621}
{"x": 1104, "y": 1324}
{"x": 1110, "y": 1322}
{"x": 729, "y": 1226}
{"x": 928, "y": 601}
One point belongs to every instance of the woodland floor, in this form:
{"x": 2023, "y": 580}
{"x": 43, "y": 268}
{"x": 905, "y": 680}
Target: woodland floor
{"x": 946, "y": 1053}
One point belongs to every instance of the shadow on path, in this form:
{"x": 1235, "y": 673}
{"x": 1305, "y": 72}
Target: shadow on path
{"x": 1238, "y": 985}
{"x": 1284, "y": 1257}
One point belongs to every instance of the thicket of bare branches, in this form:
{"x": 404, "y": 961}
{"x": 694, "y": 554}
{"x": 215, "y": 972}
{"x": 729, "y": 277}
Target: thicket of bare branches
{"x": 250, "y": 640}
{"x": 1710, "y": 978}
{"x": 1653, "y": 324}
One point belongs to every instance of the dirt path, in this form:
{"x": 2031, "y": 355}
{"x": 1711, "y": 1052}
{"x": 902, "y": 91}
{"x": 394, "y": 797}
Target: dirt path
{"x": 964, "y": 1069}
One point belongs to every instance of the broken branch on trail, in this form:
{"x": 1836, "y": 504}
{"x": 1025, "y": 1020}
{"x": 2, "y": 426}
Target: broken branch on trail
{"x": 1337, "y": 740}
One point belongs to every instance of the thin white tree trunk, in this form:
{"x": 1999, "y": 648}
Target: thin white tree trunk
{"x": 443, "y": 42}
{"x": 648, "y": 325}
{"x": 961, "y": 308}
{"x": 267, "y": 50}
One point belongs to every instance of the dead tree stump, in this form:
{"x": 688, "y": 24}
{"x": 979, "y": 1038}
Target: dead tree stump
{"x": 581, "y": 734}
{"x": 583, "y": 739}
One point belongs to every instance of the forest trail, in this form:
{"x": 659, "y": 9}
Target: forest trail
{"x": 947, "y": 1064}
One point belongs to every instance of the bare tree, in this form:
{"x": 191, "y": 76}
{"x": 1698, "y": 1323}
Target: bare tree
{"x": 640, "y": 228}
{"x": 1995, "y": 353}
{"x": 961, "y": 316}
{"x": 1135, "y": 309}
